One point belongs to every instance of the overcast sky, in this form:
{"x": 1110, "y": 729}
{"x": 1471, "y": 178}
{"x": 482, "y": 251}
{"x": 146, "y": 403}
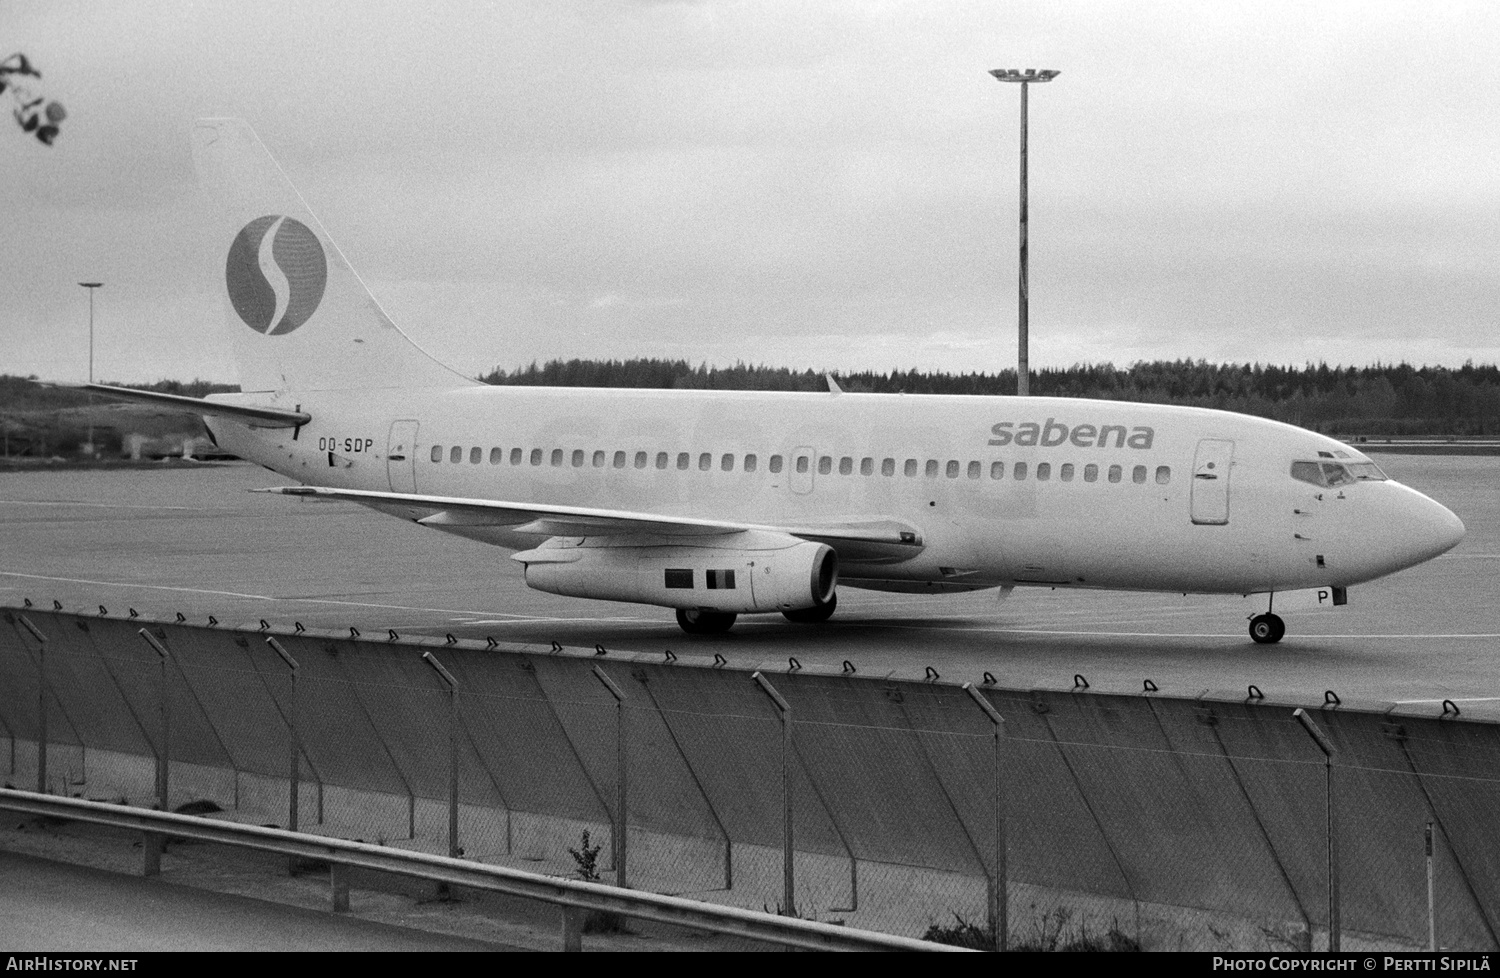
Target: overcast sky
{"x": 812, "y": 184}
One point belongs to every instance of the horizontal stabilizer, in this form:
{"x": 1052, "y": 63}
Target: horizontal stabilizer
{"x": 880, "y": 540}
{"x": 253, "y": 415}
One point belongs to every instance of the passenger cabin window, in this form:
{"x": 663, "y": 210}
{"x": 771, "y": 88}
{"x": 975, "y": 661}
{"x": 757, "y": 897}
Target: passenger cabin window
{"x": 640, "y": 460}
{"x": 456, "y": 454}
{"x": 682, "y": 461}
{"x": 497, "y": 455}
{"x": 973, "y": 470}
{"x": 1138, "y": 474}
{"x": 1114, "y": 473}
{"x": 536, "y": 456}
{"x": 1043, "y": 471}
{"x": 931, "y": 470}
{"x": 620, "y": 460}
{"x": 825, "y": 465}
{"x": 887, "y": 466}
{"x": 515, "y": 456}
{"x": 846, "y": 466}
{"x": 476, "y": 455}
{"x": 598, "y": 461}
{"x": 997, "y": 470}
{"x": 437, "y": 453}
{"x": 726, "y": 464}
{"x": 951, "y": 471}
{"x": 867, "y": 466}
{"x": 1066, "y": 472}
{"x": 801, "y": 463}
{"x": 557, "y": 457}
{"x": 910, "y": 468}
{"x": 1163, "y": 474}
{"x": 775, "y": 464}
{"x": 1019, "y": 472}
{"x": 661, "y": 460}
{"x": 577, "y": 458}
{"x": 750, "y": 462}
{"x": 1091, "y": 473}
{"x": 705, "y": 461}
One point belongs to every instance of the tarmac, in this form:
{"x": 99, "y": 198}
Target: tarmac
{"x": 197, "y": 543}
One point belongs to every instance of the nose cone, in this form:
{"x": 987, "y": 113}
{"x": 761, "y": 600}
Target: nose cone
{"x": 1421, "y": 528}
{"x": 1444, "y": 525}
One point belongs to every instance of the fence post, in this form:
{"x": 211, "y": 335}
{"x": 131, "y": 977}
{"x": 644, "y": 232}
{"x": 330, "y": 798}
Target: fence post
{"x": 618, "y": 837}
{"x": 41, "y": 704}
{"x": 1326, "y": 746}
{"x": 294, "y": 766}
{"x": 164, "y": 756}
{"x": 452, "y": 684}
{"x": 785, "y": 710}
{"x": 999, "y": 881}
{"x": 1431, "y": 896}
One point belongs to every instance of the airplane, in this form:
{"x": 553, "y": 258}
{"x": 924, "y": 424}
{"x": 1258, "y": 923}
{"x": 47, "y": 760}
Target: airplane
{"x": 722, "y": 503}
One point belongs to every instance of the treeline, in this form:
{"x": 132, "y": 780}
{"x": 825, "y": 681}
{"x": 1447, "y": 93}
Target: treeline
{"x": 38, "y": 421}
{"x": 23, "y": 394}
{"x": 1378, "y": 400}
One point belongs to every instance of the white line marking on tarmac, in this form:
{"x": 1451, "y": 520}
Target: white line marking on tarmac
{"x": 1077, "y": 633}
{"x": 269, "y": 597}
{"x": 79, "y": 502}
{"x": 153, "y": 587}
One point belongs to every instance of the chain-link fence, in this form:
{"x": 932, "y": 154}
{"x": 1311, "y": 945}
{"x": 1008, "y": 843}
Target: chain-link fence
{"x": 1029, "y": 818}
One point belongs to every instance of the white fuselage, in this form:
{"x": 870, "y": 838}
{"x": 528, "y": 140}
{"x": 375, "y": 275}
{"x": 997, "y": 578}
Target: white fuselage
{"x": 1114, "y": 494}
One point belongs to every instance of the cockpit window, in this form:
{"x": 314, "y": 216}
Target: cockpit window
{"x": 1334, "y": 474}
{"x": 1308, "y": 472}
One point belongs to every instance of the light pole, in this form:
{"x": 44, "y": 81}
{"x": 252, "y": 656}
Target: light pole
{"x": 1023, "y": 368}
{"x": 91, "y": 286}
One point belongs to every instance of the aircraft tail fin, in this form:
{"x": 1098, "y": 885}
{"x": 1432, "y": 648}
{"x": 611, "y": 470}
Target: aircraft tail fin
{"x": 300, "y": 316}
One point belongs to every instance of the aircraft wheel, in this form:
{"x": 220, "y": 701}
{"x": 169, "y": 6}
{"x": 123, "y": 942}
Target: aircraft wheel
{"x": 815, "y": 614}
{"x": 697, "y": 621}
{"x": 1267, "y": 629}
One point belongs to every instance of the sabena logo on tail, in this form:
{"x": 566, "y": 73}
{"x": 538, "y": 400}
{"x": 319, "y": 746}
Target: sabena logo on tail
{"x": 276, "y": 274}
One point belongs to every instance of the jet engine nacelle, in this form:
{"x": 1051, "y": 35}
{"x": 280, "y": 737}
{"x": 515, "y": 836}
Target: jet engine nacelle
{"x": 779, "y": 573}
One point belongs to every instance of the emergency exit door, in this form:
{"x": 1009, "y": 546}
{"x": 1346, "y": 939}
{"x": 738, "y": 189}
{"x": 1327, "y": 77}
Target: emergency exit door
{"x": 1210, "y": 502}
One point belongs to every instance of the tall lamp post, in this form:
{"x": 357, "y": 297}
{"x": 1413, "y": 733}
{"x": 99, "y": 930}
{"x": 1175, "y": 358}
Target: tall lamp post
{"x": 1023, "y": 78}
{"x": 91, "y": 286}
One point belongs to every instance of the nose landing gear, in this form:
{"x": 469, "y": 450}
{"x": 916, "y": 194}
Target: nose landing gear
{"x": 1267, "y": 629}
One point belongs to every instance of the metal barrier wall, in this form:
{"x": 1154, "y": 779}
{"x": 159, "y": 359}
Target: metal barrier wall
{"x": 1150, "y": 819}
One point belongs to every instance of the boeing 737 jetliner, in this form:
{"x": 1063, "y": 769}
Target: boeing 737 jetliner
{"x": 721, "y": 503}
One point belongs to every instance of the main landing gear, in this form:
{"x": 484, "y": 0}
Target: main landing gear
{"x": 1267, "y": 629}
{"x": 815, "y": 614}
{"x": 698, "y": 621}
{"x": 702, "y": 621}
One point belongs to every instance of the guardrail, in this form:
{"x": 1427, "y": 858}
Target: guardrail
{"x": 576, "y": 898}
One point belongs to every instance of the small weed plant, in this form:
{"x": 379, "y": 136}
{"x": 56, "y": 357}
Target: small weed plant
{"x": 587, "y": 858}
{"x": 1052, "y": 932}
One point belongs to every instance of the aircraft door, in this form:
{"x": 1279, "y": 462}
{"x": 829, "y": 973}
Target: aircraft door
{"x": 1210, "y": 502}
{"x": 401, "y": 456}
{"x": 800, "y": 464}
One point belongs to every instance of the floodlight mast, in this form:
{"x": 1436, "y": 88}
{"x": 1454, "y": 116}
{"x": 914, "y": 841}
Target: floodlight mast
{"x": 91, "y": 286}
{"x": 1016, "y": 75}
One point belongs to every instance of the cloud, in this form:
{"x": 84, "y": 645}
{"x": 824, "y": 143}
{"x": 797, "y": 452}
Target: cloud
{"x": 819, "y": 180}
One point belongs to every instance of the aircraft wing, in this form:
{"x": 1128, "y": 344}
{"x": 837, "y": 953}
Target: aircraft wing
{"x": 869, "y": 539}
{"x": 253, "y": 415}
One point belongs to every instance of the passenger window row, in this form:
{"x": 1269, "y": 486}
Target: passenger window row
{"x": 704, "y": 462}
